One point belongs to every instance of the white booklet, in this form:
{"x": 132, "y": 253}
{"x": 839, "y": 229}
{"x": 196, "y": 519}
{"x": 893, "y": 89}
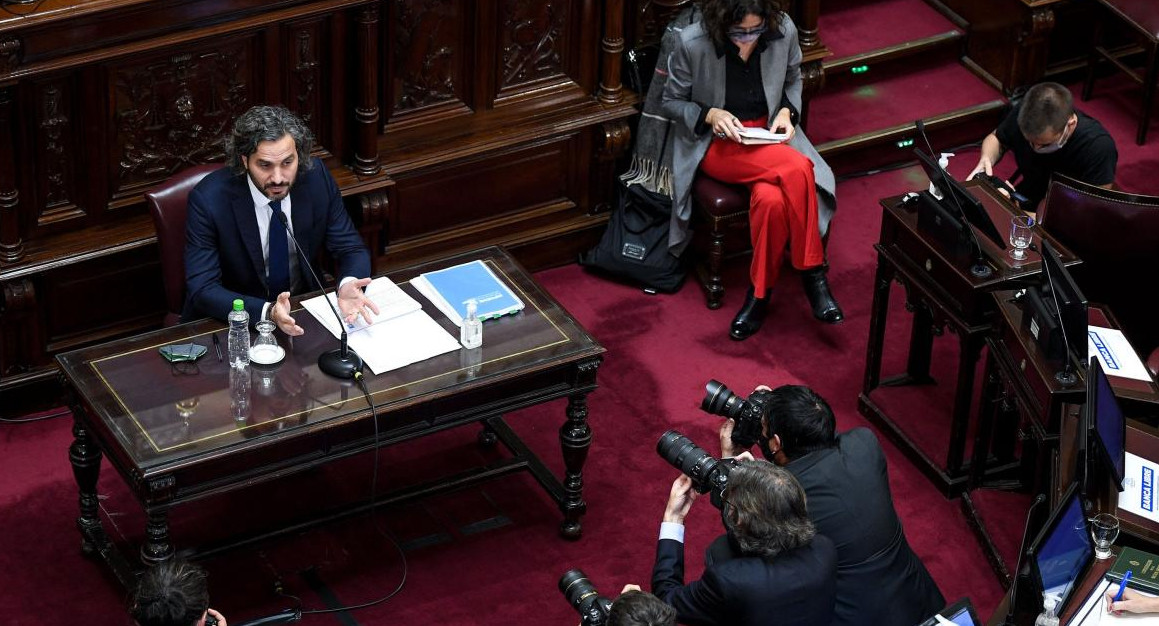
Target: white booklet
{"x": 1115, "y": 353}
{"x": 391, "y": 300}
{"x": 401, "y": 334}
{"x": 755, "y": 136}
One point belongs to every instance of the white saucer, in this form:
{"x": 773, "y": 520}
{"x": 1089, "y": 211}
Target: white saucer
{"x": 267, "y": 355}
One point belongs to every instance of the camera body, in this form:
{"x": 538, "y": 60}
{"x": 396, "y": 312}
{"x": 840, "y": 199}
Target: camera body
{"x": 582, "y": 595}
{"x": 709, "y": 474}
{"x": 746, "y": 412}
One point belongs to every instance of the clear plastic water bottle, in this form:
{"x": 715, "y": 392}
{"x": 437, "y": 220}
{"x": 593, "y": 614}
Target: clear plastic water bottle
{"x": 239, "y": 393}
{"x": 471, "y": 333}
{"x": 239, "y": 335}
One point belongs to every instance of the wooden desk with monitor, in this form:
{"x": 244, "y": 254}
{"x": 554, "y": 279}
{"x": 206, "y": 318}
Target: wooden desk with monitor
{"x": 171, "y": 436}
{"x": 1021, "y": 392}
{"x": 941, "y": 292}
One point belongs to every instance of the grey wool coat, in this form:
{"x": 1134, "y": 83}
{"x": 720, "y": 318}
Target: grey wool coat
{"x": 697, "y": 79}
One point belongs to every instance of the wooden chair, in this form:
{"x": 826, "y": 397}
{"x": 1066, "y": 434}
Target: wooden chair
{"x": 722, "y": 208}
{"x": 1142, "y": 16}
{"x": 1116, "y": 234}
{"x": 167, "y": 204}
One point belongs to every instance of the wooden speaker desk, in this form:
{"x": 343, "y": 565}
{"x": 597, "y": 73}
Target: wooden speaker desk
{"x": 170, "y": 434}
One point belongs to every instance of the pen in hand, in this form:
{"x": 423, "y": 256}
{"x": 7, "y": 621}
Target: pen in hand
{"x": 217, "y": 347}
{"x": 1122, "y": 586}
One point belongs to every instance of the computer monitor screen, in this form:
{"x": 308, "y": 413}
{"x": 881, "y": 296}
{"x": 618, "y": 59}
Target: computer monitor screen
{"x": 969, "y": 206}
{"x": 1069, "y": 302}
{"x": 960, "y": 613}
{"x": 1107, "y": 422}
{"x": 1062, "y": 551}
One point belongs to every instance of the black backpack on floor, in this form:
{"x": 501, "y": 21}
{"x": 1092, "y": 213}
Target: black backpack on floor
{"x": 635, "y": 245}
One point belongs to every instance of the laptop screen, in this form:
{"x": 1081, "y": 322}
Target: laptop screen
{"x": 1063, "y": 549}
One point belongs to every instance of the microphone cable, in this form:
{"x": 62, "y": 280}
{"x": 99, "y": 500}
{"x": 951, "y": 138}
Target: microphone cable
{"x": 360, "y": 380}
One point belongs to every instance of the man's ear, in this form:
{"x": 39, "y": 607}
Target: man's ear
{"x": 776, "y": 441}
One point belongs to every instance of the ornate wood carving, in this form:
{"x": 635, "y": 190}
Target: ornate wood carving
{"x": 57, "y": 153}
{"x": 9, "y": 54}
{"x": 372, "y": 220}
{"x": 366, "y": 111}
{"x": 651, "y": 17}
{"x": 533, "y": 41}
{"x": 306, "y": 87}
{"x": 172, "y": 112}
{"x": 11, "y": 241}
{"x": 611, "y": 89}
{"x": 426, "y": 52}
{"x": 21, "y": 328}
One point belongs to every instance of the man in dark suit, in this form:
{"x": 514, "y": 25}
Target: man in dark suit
{"x": 880, "y": 580}
{"x": 781, "y": 573}
{"x": 237, "y": 245}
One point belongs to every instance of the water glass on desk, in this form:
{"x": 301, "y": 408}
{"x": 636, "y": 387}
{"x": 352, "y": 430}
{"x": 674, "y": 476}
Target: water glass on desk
{"x": 1021, "y": 235}
{"x": 1104, "y": 531}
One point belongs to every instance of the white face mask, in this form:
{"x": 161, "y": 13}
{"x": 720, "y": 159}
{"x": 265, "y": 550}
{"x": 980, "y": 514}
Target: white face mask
{"x": 1055, "y": 147}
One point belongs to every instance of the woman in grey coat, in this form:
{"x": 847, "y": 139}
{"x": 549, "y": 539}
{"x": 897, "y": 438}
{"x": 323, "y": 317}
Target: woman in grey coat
{"x": 739, "y": 68}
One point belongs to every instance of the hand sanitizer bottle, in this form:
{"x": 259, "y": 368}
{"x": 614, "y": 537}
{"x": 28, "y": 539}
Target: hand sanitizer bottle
{"x": 943, "y": 163}
{"x": 1048, "y": 617}
{"x": 471, "y": 333}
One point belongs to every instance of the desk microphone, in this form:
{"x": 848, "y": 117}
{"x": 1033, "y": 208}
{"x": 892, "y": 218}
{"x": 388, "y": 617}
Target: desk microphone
{"x": 341, "y": 362}
{"x": 1009, "y": 621}
{"x": 979, "y": 269}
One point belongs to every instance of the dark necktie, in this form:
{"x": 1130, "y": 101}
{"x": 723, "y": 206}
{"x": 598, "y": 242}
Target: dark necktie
{"x": 278, "y": 269}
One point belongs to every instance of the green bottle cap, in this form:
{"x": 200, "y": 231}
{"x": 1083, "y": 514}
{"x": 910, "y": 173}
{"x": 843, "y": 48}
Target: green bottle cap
{"x": 238, "y": 305}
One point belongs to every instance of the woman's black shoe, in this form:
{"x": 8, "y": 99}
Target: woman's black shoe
{"x": 748, "y": 320}
{"x": 825, "y": 307}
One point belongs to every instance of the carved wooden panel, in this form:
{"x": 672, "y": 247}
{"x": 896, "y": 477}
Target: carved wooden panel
{"x": 537, "y": 46}
{"x": 429, "y": 53}
{"x": 172, "y": 110}
{"x": 57, "y": 152}
{"x": 306, "y": 82}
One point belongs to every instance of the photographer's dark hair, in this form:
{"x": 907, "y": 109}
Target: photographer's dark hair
{"x": 173, "y": 593}
{"x": 1046, "y": 106}
{"x": 765, "y": 511}
{"x": 267, "y": 123}
{"x": 720, "y": 15}
{"x": 636, "y": 608}
{"x": 802, "y": 419}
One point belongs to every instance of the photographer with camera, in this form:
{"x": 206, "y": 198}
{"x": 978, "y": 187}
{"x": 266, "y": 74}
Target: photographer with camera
{"x": 880, "y": 580}
{"x": 634, "y": 607}
{"x": 174, "y": 593}
{"x": 780, "y": 573}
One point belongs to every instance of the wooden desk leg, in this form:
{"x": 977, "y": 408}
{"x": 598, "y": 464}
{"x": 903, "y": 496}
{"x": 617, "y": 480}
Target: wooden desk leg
{"x": 971, "y": 348}
{"x": 575, "y": 437}
{"x": 85, "y": 457}
{"x": 987, "y": 409}
{"x": 877, "y": 316}
{"x": 921, "y": 349}
{"x": 157, "y": 547}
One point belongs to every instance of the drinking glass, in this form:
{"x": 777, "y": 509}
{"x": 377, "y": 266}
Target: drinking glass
{"x": 266, "y": 350}
{"x": 1104, "y": 530}
{"x": 1021, "y": 235}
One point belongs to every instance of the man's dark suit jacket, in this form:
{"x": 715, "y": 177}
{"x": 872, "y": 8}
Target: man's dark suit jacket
{"x": 880, "y": 580}
{"x": 796, "y": 587}
{"x": 223, "y": 251}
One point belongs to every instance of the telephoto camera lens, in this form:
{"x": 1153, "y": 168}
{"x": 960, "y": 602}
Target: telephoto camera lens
{"x": 708, "y": 473}
{"x": 718, "y": 400}
{"x": 582, "y": 595}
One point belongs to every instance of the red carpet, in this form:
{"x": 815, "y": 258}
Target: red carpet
{"x": 844, "y": 24}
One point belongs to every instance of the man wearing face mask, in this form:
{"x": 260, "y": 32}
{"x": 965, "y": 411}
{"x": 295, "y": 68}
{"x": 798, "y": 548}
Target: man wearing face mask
{"x": 880, "y": 580}
{"x": 1047, "y": 135}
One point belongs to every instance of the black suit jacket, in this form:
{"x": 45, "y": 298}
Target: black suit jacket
{"x": 880, "y": 580}
{"x": 797, "y": 587}
{"x": 223, "y": 250}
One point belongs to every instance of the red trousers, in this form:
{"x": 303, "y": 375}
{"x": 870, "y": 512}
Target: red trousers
{"x": 782, "y": 203}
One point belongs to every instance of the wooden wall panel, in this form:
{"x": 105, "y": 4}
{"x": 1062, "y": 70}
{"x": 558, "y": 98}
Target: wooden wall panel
{"x": 448, "y": 124}
{"x": 493, "y": 186}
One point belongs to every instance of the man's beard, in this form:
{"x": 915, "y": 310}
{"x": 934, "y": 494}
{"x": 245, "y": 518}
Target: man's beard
{"x": 283, "y": 190}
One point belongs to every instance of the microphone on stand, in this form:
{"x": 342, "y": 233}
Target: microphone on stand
{"x": 1009, "y": 621}
{"x": 341, "y": 362}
